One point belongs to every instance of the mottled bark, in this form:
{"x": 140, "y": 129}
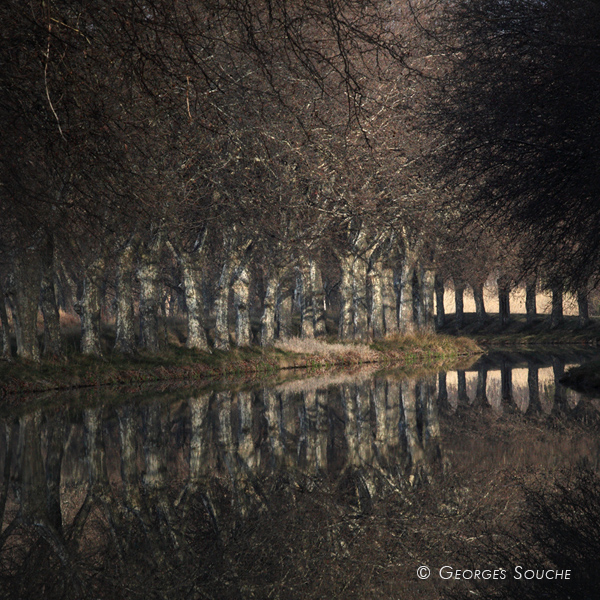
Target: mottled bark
{"x": 504, "y": 300}
{"x": 89, "y": 309}
{"x": 241, "y": 303}
{"x": 359, "y": 298}
{"x": 236, "y": 253}
{"x": 346, "y": 327}
{"x": 390, "y": 310}
{"x": 556, "y": 315}
{"x": 479, "y": 304}
{"x": 24, "y": 291}
{"x": 406, "y": 317}
{"x": 440, "y": 313}
{"x": 222, "y": 307}
{"x": 459, "y": 303}
{"x": 377, "y": 300}
{"x": 125, "y": 326}
{"x": 307, "y": 316}
{"x": 148, "y": 275}
{"x": 284, "y": 314}
{"x": 583, "y": 306}
{"x": 425, "y": 318}
{"x": 52, "y": 335}
{"x": 530, "y": 301}
{"x": 268, "y": 319}
{"x": 318, "y": 295}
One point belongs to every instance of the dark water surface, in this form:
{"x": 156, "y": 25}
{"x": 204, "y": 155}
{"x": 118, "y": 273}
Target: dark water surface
{"x": 332, "y": 486}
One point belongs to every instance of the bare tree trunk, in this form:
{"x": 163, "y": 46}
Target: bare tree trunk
{"x": 459, "y": 303}
{"x": 125, "y": 338}
{"x": 390, "y": 311}
{"x": 267, "y": 321}
{"x": 377, "y": 301}
{"x": 89, "y": 309}
{"x": 25, "y": 295}
{"x": 241, "y": 299}
{"x": 307, "y": 316}
{"x": 48, "y": 304}
{"x": 236, "y": 253}
{"x": 194, "y": 305}
{"x": 284, "y": 314}
{"x": 359, "y": 298}
{"x": 479, "y": 303}
{"x": 150, "y": 295}
{"x": 222, "y": 307}
{"x": 504, "y": 300}
{"x": 318, "y": 295}
{"x": 426, "y": 281}
{"x": 530, "y": 301}
{"x": 440, "y": 314}
{"x": 406, "y": 318}
{"x": 556, "y": 316}
{"x": 583, "y": 305}
{"x": 346, "y": 329}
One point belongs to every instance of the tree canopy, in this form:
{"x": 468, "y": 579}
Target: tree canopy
{"x": 518, "y": 116}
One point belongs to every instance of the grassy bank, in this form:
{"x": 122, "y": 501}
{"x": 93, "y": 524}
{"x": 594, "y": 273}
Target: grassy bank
{"x": 179, "y": 363}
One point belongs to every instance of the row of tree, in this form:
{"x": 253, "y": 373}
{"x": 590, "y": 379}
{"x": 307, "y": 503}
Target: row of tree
{"x": 154, "y": 150}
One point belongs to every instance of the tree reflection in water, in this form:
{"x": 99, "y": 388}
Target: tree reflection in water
{"x": 304, "y": 490}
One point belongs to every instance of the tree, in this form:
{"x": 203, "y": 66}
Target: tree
{"x": 517, "y": 110}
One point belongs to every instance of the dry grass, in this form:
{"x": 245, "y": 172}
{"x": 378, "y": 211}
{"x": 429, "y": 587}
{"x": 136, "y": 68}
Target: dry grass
{"x": 323, "y": 349}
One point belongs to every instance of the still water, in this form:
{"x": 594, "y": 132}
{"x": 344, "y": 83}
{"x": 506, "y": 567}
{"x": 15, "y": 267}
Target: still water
{"x": 331, "y": 486}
